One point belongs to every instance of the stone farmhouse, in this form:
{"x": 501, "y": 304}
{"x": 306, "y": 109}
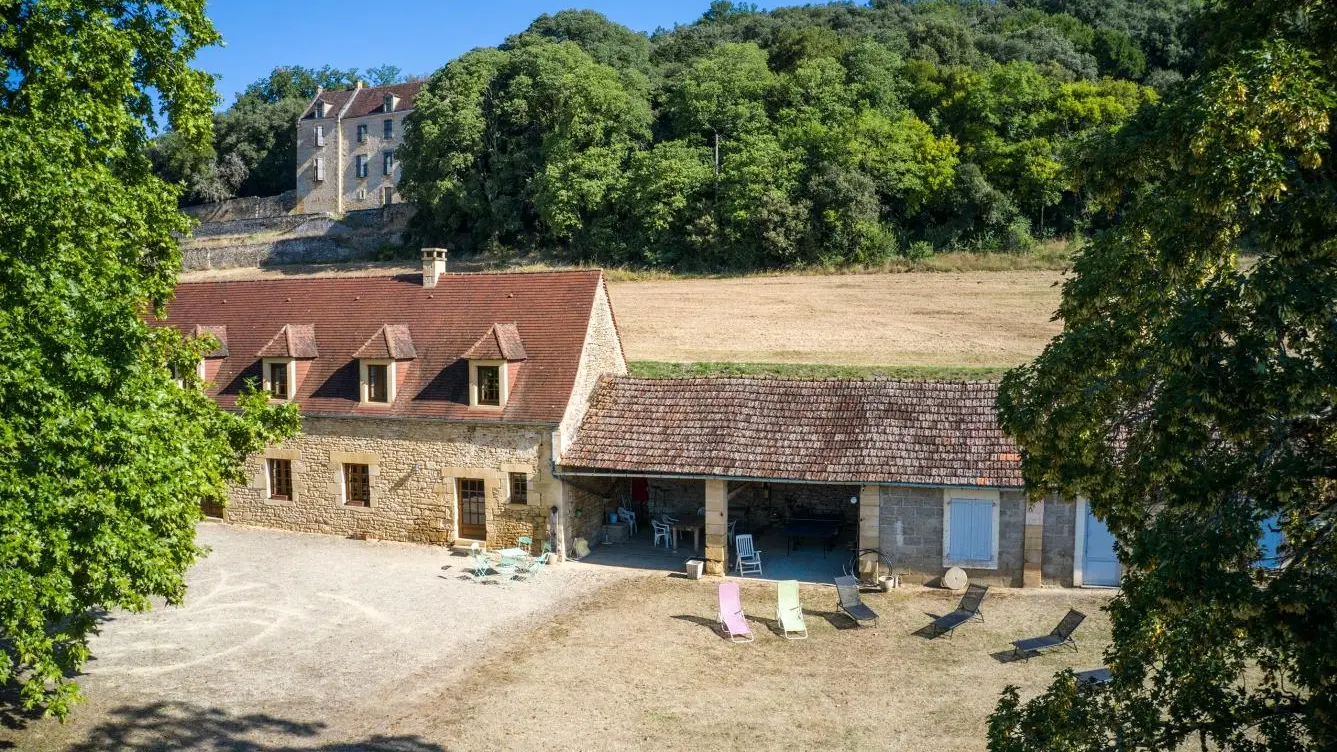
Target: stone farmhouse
{"x": 346, "y": 143}
{"x": 449, "y": 408}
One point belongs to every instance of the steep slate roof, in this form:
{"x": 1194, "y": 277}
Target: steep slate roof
{"x": 938, "y": 433}
{"x": 553, "y": 309}
{"x": 292, "y": 341}
{"x": 502, "y": 342}
{"x": 391, "y": 342}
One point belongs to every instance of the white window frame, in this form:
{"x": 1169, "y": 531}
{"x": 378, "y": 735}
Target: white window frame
{"x": 364, "y": 386}
{"x": 388, "y": 162}
{"x": 320, "y": 169}
{"x": 320, "y": 135}
{"x": 388, "y": 102}
{"x": 387, "y": 195}
{"x": 362, "y": 133}
{"x": 321, "y": 109}
{"x": 969, "y": 494}
{"x": 292, "y": 376}
{"x": 360, "y": 165}
{"x": 505, "y": 386}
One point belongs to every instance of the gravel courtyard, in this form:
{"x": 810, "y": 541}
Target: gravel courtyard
{"x": 293, "y": 643}
{"x": 286, "y": 638}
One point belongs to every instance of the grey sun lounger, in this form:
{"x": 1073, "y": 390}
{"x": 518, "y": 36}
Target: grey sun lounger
{"x": 967, "y": 610}
{"x": 1061, "y": 637}
{"x": 850, "y": 602}
{"x": 1095, "y": 677}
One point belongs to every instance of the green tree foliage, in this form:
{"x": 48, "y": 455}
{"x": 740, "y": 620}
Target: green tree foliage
{"x": 1190, "y": 398}
{"x": 104, "y": 459}
{"x": 828, "y": 134}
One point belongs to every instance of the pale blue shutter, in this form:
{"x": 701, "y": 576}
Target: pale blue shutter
{"x": 971, "y": 531}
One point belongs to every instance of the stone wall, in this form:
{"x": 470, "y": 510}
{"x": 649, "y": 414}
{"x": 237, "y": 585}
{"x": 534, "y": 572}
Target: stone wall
{"x": 249, "y": 207}
{"x": 340, "y": 154}
{"x": 295, "y": 239}
{"x": 415, "y": 466}
{"x": 1059, "y": 542}
{"x": 588, "y": 501}
{"x": 602, "y": 355}
{"x": 912, "y": 531}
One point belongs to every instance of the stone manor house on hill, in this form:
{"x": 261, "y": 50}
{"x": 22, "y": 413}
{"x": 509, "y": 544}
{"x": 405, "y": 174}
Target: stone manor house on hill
{"x": 346, "y": 143}
{"x": 448, "y": 408}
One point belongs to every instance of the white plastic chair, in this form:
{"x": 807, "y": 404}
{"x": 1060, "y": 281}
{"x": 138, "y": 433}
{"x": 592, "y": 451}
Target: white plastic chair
{"x": 749, "y": 558}
{"x": 628, "y": 517}
{"x": 662, "y": 531}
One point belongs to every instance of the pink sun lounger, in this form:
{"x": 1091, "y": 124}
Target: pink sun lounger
{"x": 732, "y": 620}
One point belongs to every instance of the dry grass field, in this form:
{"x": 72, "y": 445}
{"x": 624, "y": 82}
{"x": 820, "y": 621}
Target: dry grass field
{"x": 640, "y": 665}
{"x": 973, "y": 319}
{"x": 910, "y": 319}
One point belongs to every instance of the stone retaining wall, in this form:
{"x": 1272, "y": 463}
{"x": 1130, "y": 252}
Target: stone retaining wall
{"x": 249, "y": 207}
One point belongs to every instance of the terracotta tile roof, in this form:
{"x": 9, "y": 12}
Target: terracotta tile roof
{"x": 938, "y": 433}
{"x": 391, "y": 342}
{"x": 502, "y": 342}
{"x": 369, "y": 100}
{"x": 334, "y": 100}
{"x": 217, "y": 332}
{"x": 292, "y": 341}
{"x": 552, "y": 308}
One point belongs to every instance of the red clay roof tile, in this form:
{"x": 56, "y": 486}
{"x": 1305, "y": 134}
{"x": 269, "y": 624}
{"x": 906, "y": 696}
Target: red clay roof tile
{"x": 938, "y": 433}
{"x": 292, "y": 341}
{"x": 390, "y": 342}
{"x": 219, "y": 333}
{"x": 502, "y": 342}
{"x": 552, "y": 308}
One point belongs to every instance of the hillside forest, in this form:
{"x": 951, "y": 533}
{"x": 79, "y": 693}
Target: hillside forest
{"x": 833, "y": 134}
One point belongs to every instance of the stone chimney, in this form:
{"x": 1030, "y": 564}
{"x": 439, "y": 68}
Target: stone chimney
{"x": 433, "y": 266}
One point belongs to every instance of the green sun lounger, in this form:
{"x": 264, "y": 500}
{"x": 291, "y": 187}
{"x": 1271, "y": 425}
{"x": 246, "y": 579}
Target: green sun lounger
{"x": 789, "y": 612}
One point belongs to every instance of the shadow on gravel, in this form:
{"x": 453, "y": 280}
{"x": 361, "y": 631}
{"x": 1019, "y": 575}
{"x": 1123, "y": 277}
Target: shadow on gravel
{"x": 176, "y": 725}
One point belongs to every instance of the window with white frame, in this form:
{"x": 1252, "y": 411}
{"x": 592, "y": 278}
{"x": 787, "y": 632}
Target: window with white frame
{"x": 970, "y": 528}
{"x": 362, "y": 165}
{"x": 320, "y": 135}
{"x": 362, "y": 133}
{"x": 280, "y": 377}
{"x": 320, "y": 168}
{"x": 387, "y": 163}
{"x": 377, "y": 382}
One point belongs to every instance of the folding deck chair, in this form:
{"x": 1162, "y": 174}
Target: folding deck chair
{"x": 1061, "y": 637}
{"x": 967, "y": 610}
{"x": 732, "y": 620}
{"x": 847, "y": 588}
{"x": 789, "y": 612}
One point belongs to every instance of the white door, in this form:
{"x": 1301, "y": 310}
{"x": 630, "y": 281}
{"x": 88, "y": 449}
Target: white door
{"x": 1099, "y": 564}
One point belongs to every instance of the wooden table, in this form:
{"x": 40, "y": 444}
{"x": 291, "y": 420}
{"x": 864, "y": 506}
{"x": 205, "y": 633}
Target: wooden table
{"x": 682, "y": 527}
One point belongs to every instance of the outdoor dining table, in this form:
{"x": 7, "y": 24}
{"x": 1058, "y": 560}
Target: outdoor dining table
{"x": 513, "y": 553}
{"x": 682, "y": 527}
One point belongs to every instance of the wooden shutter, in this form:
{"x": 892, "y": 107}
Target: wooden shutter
{"x": 971, "y": 534}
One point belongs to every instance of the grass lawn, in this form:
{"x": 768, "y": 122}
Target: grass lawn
{"x": 640, "y": 665}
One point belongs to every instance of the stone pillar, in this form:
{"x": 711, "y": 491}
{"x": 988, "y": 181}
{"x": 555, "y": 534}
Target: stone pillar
{"x": 870, "y": 524}
{"x": 717, "y": 527}
{"x": 1033, "y": 545}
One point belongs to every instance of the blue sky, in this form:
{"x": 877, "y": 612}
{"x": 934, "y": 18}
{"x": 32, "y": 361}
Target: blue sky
{"x": 417, "y": 35}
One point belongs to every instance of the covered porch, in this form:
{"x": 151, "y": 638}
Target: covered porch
{"x": 804, "y": 531}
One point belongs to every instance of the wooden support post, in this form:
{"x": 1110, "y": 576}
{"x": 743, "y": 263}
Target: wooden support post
{"x": 717, "y": 527}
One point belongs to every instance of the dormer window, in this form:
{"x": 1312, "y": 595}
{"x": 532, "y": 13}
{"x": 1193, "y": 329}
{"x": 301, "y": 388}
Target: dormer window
{"x": 494, "y": 364}
{"x": 389, "y": 102}
{"x": 286, "y": 358}
{"x": 320, "y": 109}
{"x": 383, "y": 362}
{"x": 279, "y": 377}
{"x": 489, "y": 385}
